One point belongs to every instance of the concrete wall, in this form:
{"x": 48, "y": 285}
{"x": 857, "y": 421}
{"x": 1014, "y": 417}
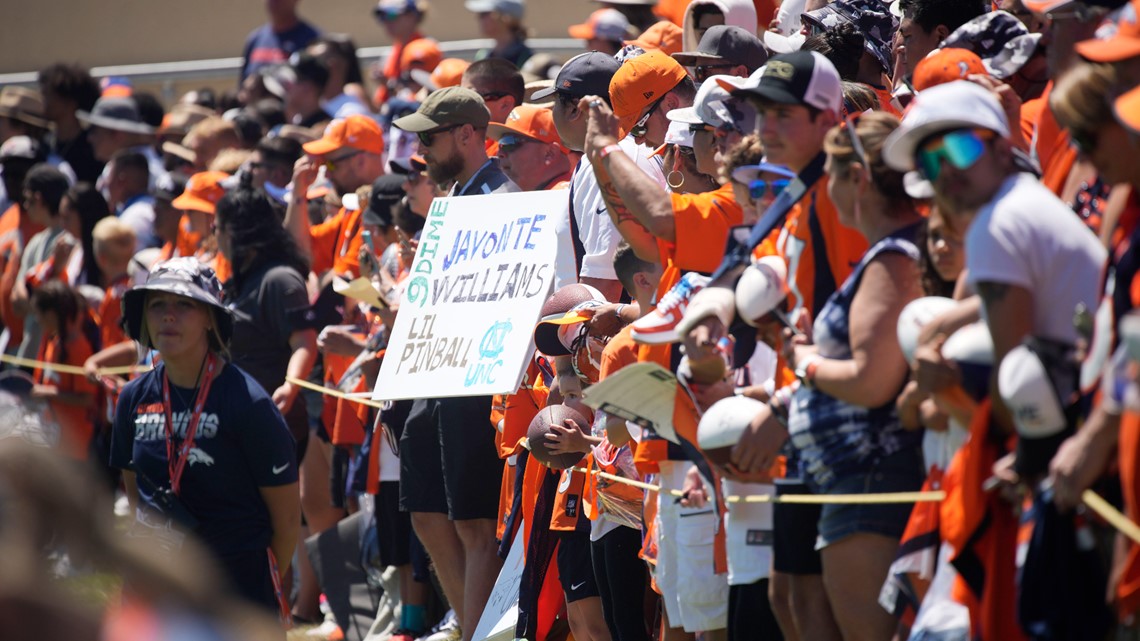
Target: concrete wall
{"x": 34, "y": 33}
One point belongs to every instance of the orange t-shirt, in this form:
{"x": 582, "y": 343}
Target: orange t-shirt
{"x": 701, "y": 223}
{"x": 16, "y": 228}
{"x": 336, "y": 243}
{"x": 76, "y": 423}
{"x": 111, "y": 313}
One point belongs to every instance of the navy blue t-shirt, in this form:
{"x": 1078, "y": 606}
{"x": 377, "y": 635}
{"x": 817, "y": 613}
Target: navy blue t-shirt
{"x": 242, "y": 444}
{"x": 264, "y": 46}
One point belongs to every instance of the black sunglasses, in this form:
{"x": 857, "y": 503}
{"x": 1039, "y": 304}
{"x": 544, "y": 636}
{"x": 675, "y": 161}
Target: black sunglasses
{"x": 640, "y": 127}
{"x": 428, "y": 137}
{"x": 701, "y": 72}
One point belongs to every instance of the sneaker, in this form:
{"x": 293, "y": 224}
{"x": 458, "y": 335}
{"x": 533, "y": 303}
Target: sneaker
{"x": 404, "y": 635}
{"x": 445, "y": 630}
{"x": 660, "y": 326}
{"x": 328, "y": 630}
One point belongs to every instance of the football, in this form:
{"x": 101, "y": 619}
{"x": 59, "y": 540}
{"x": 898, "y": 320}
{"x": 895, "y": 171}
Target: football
{"x": 540, "y": 427}
{"x": 723, "y": 424}
{"x": 566, "y": 298}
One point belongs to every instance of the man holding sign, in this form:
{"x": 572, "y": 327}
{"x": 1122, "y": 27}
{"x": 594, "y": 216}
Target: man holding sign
{"x": 449, "y": 466}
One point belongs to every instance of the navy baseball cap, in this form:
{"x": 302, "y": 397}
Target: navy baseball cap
{"x": 586, "y": 74}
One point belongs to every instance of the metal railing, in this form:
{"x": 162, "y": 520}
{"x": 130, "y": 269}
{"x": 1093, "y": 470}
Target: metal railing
{"x": 213, "y": 68}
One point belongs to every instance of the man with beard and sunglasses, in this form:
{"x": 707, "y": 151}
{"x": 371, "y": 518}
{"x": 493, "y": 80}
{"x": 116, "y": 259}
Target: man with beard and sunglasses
{"x": 448, "y": 457}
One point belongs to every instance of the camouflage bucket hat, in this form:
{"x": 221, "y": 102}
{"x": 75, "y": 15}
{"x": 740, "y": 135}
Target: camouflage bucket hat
{"x": 1000, "y": 40}
{"x": 184, "y": 276}
{"x": 871, "y": 18}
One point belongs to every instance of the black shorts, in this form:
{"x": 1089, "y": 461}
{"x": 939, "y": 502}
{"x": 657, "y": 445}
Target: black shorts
{"x": 448, "y": 460}
{"x": 795, "y": 528}
{"x": 575, "y": 569}
{"x": 393, "y": 527}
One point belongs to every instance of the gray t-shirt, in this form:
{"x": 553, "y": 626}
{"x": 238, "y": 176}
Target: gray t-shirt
{"x": 38, "y": 250}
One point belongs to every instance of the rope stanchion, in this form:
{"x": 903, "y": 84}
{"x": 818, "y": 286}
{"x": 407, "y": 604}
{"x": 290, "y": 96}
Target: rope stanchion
{"x": 812, "y": 499}
{"x": 1115, "y": 518}
{"x": 72, "y": 369}
{"x": 334, "y": 392}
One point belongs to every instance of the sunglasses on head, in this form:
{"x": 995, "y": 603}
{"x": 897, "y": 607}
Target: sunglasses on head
{"x": 961, "y": 148}
{"x": 640, "y": 127}
{"x": 758, "y": 188}
{"x": 428, "y": 137}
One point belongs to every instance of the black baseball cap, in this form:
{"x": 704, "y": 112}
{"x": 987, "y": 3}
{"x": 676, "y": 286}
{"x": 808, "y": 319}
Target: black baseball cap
{"x": 726, "y": 44}
{"x": 797, "y": 78}
{"x": 386, "y": 194}
{"x": 586, "y": 74}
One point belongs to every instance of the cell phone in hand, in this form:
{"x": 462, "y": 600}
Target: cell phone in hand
{"x": 366, "y": 235}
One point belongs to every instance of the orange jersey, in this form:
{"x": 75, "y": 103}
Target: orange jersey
{"x": 110, "y": 312}
{"x": 811, "y": 220}
{"x": 336, "y": 243}
{"x": 76, "y": 423}
{"x": 701, "y": 223}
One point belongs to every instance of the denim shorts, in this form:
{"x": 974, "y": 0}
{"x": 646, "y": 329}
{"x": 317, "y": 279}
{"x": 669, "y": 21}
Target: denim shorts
{"x": 899, "y": 472}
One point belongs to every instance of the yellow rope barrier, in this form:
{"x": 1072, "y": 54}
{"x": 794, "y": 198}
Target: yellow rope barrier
{"x": 71, "y": 369}
{"x": 1109, "y": 513}
{"x": 334, "y": 392}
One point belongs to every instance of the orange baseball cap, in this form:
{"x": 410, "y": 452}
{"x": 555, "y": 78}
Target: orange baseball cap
{"x": 640, "y": 82}
{"x": 424, "y": 52}
{"x": 1122, "y": 44}
{"x": 202, "y": 193}
{"x": 356, "y": 131}
{"x": 449, "y": 72}
{"x": 528, "y": 120}
{"x": 663, "y": 36}
{"x": 1127, "y": 109}
{"x": 946, "y": 65}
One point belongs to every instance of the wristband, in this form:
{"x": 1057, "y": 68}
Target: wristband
{"x": 607, "y": 150}
{"x": 805, "y": 370}
{"x": 620, "y": 309}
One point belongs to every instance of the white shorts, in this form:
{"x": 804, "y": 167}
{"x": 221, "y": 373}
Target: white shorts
{"x": 748, "y": 530}
{"x": 695, "y": 596}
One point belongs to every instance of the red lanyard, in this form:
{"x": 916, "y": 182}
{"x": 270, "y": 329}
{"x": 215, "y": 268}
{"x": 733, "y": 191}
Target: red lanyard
{"x": 176, "y": 467}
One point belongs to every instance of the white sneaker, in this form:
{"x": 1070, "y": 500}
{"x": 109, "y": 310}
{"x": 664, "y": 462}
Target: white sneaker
{"x": 446, "y": 630}
{"x": 660, "y": 326}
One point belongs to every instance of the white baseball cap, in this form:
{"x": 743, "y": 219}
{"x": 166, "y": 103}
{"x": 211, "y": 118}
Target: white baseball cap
{"x": 955, "y": 105}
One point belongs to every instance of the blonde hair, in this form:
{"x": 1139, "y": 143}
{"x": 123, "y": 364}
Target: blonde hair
{"x": 1080, "y": 99}
{"x": 113, "y": 238}
{"x": 749, "y": 151}
{"x": 872, "y": 130}
{"x": 218, "y": 129}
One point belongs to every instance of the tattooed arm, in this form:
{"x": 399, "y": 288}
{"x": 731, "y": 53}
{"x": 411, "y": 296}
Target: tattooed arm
{"x": 1009, "y": 316}
{"x": 640, "y": 238}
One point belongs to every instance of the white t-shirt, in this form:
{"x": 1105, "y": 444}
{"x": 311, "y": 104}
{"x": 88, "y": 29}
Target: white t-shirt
{"x": 1027, "y": 237}
{"x": 344, "y": 105}
{"x": 596, "y": 230}
{"x": 139, "y": 216}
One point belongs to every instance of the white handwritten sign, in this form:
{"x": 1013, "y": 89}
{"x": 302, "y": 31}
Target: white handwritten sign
{"x": 497, "y": 623}
{"x": 484, "y": 268}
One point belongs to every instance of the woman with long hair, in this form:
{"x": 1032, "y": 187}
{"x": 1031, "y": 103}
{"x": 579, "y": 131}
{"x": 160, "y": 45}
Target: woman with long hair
{"x": 83, "y": 206}
{"x": 275, "y": 337}
{"x": 203, "y": 449}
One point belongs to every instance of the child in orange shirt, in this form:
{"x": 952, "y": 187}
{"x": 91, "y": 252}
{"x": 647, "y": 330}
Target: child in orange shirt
{"x": 70, "y": 397}
{"x": 114, "y": 243}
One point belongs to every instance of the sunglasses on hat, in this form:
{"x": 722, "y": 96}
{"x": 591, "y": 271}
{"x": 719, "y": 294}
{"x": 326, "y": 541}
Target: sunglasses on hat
{"x": 640, "y": 128}
{"x": 758, "y": 188}
{"x": 428, "y": 137}
{"x": 961, "y": 148}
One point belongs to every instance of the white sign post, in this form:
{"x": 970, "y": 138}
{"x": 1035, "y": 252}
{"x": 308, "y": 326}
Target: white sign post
{"x": 484, "y": 267}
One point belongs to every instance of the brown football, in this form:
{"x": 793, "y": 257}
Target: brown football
{"x": 540, "y": 427}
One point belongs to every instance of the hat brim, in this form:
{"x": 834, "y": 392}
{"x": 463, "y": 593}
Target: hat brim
{"x": 581, "y": 31}
{"x": 769, "y": 93}
{"x": 546, "y": 332}
{"x": 497, "y": 130}
{"x": 1115, "y": 49}
{"x": 24, "y": 118}
{"x": 423, "y": 79}
{"x": 747, "y": 173}
{"x": 415, "y": 123}
{"x": 181, "y": 151}
{"x": 687, "y": 115}
{"x": 91, "y": 120}
{"x": 188, "y": 202}
{"x": 779, "y": 43}
{"x": 321, "y": 147}
{"x": 734, "y": 84}
{"x": 1127, "y": 110}
{"x": 134, "y": 301}
{"x": 543, "y": 93}
{"x": 900, "y": 146}
{"x": 694, "y": 58}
